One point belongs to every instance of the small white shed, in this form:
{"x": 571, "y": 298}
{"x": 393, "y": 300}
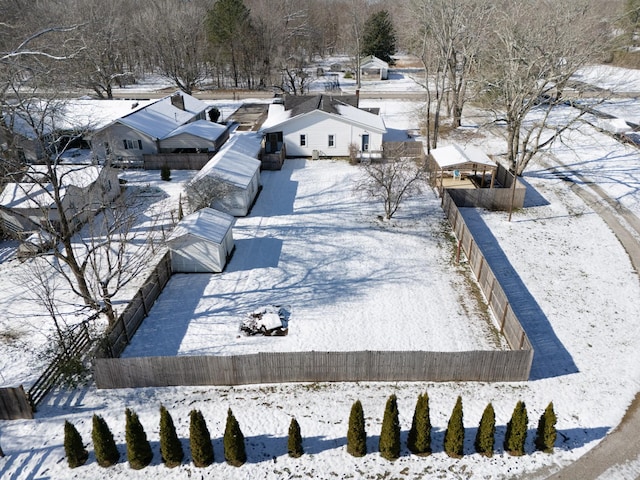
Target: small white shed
{"x": 240, "y": 173}
{"x": 202, "y": 242}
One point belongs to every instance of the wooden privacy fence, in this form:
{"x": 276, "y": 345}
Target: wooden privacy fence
{"x": 508, "y": 322}
{"x": 14, "y": 404}
{"x": 138, "y": 308}
{"x": 176, "y": 161}
{"x": 486, "y": 366}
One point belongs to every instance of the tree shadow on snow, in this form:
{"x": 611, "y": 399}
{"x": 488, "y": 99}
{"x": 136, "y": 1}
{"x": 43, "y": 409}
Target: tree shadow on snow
{"x": 550, "y": 358}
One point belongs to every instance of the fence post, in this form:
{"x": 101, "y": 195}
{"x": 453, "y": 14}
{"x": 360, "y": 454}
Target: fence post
{"x": 504, "y": 317}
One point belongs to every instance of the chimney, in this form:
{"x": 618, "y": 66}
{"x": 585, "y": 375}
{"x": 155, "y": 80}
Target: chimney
{"x": 177, "y": 100}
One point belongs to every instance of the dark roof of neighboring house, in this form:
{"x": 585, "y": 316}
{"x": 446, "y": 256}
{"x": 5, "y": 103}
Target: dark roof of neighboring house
{"x": 327, "y": 103}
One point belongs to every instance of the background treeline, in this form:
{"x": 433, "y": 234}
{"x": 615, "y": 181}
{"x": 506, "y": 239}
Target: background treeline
{"x": 418, "y": 440}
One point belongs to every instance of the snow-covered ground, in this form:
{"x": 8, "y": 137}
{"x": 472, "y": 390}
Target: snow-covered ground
{"x": 579, "y": 278}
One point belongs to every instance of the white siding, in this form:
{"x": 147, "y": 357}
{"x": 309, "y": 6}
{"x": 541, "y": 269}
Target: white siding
{"x": 195, "y": 255}
{"x": 317, "y": 126}
{"x": 114, "y": 135}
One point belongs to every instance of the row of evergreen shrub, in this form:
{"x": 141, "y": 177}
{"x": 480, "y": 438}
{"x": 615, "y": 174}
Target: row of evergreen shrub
{"x": 419, "y": 437}
{"x": 139, "y": 453}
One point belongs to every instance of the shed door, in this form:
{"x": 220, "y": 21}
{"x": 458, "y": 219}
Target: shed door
{"x": 365, "y": 142}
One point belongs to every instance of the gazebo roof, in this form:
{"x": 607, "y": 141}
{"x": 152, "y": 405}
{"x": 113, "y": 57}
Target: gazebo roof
{"x": 455, "y": 157}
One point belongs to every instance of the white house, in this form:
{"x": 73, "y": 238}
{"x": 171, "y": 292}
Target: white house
{"x": 85, "y": 190}
{"x": 373, "y": 68}
{"x": 201, "y": 242}
{"x": 238, "y": 174}
{"x": 322, "y": 126}
{"x": 174, "y": 123}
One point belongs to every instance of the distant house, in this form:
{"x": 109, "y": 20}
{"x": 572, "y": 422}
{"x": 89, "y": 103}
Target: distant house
{"x": 174, "y": 123}
{"x": 201, "y": 242}
{"x": 373, "y": 68}
{"x": 322, "y": 126}
{"x": 235, "y": 172}
{"x": 85, "y": 190}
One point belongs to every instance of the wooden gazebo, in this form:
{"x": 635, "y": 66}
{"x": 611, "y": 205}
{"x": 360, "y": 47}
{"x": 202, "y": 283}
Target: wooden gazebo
{"x": 462, "y": 163}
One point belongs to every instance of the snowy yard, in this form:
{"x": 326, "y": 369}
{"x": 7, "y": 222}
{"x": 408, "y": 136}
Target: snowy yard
{"x": 573, "y": 266}
{"x": 353, "y": 282}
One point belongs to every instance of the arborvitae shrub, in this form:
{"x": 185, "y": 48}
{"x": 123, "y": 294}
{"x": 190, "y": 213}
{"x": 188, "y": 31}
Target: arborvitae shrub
{"x": 390, "y": 433}
{"x": 419, "y": 439}
{"x": 165, "y": 173}
{"x": 180, "y": 210}
{"x": 485, "y": 438}
{"x": 546, "y": 433}
{"x": 454, "y": 436}
{"x": 516, "y": 434}
{"x": 200, "y": 440}
{"x": 170, "y": 445}
{"x": 234, "y": 448}
{"x": 294, "y": 442}
{"x": 103, "y": 444}
{"x": 357, "y": 435}
{"x": 73, "y": 447}
{"x": 139, "y": 451}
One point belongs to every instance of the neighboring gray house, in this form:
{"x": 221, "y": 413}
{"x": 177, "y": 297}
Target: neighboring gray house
{"x": 176, "y": 123}
{"x": 322, "y": 126}
{"x": 373, "y": 68}
{"x": 201, "y": 242}
{"x": 85, "y": 190}
{"x": 238, "y": 171}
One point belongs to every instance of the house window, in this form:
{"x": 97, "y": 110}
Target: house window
{"x": 303, "y": 140}
{"x": 331, "y": 141}
{"x": 132, "y": 144}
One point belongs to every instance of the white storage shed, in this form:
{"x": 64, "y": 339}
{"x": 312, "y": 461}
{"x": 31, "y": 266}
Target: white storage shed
{"x": 240, "y": 174}
{"x": 202, "y": 242}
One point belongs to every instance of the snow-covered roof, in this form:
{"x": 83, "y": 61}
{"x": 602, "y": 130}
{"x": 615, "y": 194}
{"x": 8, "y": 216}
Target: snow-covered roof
{"x": 247, "y": 143}
{"x": 200, "y": 128}
{"x": 208, "y": 223}
{"x": 454, "y": 156}
{"x": 230, "y": 166}
{"x": 329, "y": 105}
{"x": 37, "y": 193}
{"x": 162, "y": 117}
{"x": 372, "y": 60}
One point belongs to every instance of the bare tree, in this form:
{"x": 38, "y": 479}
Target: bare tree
{"x": 391, "y": 180}
{"x": 204, "y": 190}
{"x": 526, "y": 64}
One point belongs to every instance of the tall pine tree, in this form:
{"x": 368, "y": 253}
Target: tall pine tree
{"x": 200, "y": 440}
{"x": 357, "y": 435}
{"x": 516, "y": 434}
{"x": 294, "y": 442}
{"x": 419, "y": 439}
{"x": 139, "y": 451}
{"x": 74, "y": 449}
{"x": 103, "y": 444}
{"x": 379, "y": 37}
{"x": 454, "y": 436}
{"x": 390, "y": 433}
{"x": 485, "y": 438}
{"x": 234, "y": 448}
{"x": 546, "y": 433}
{"x": 170, "y": 445}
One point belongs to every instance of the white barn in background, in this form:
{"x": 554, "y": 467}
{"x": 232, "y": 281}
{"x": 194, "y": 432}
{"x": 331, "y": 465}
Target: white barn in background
{"x": 238, "y": 172}
{"x": 323, "y": 126}
{"x": 202, "y": 242}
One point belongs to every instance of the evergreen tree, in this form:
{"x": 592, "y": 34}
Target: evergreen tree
{"x": 485, "y": 438}
{"x": 294, "y": 442}
{"x": 139, "y": 451}
{"x": 180, "y": 210}
{"x": 234, "y": 448}
{"x": 516, "y": 434}
{"x": 546, "y": 433}
{"x": 73, "y": 447}
{"x": 103, "y": 444}
{"x": 165, "y": 173}
{"x": 454, "y": 436}
{"x": 357, "y": 435}
{"x": 170, "y": 445}
{"x": 379, "y": 36}
{"x": 200, "y": 440}
{"x": 390, "y": 433}
{"x": 419, "y": 439}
